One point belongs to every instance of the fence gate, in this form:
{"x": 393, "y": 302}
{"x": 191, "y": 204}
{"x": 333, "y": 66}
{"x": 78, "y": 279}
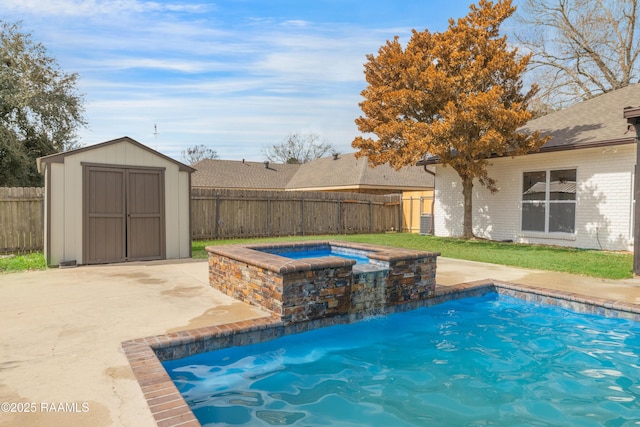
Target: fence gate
{"x": 417, "y": 212}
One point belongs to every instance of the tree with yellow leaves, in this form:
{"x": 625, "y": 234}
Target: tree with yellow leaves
{"x": 456, "y": 96}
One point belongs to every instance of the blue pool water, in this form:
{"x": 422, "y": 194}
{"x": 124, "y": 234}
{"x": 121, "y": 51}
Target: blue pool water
{"x": 489, "y": 361}
{"x": 316, "y": 253}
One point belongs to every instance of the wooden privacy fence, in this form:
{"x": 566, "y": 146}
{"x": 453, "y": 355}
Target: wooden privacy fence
{"x": 21, "y": 219}
{"x": 223, "y": 213}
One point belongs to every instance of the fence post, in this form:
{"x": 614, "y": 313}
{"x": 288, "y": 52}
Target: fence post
{"x": 217, "y": 228}
{"x": 400, "y": 216}
{"x": 268, "y": 216}
{"x": 339, "y": 216}
{"x": 370, "y": 216}
{"x": 411, "y": 216}
{"x": 302, "y": 203}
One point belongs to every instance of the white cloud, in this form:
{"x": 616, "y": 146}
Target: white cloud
{"x": 227, "y": 124}
{"x": 295, "y": 23}
{"x": 236, "y": 87}
{"x": 167, "y": 64}
{"x": 99, "y": 7}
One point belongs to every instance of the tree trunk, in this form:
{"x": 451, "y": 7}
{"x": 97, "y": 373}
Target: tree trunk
{"x": 467, "y": 222}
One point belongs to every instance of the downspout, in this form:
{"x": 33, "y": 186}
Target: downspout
{"x": 636, "y": 213}
{"x": 632, "y": 114}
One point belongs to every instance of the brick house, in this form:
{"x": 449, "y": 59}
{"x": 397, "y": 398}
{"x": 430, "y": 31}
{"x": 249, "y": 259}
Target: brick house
{"x": 576, "y": 191}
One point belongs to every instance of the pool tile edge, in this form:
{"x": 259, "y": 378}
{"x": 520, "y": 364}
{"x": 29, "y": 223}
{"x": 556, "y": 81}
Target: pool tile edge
{"x": 166, "y": 404}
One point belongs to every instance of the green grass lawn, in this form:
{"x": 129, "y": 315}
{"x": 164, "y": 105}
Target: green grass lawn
{"x": 607, "y": 265}
{"x": 32, "y": 261}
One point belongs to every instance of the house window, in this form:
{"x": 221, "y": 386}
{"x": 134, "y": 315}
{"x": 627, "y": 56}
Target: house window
{"x": 549, "y": 201}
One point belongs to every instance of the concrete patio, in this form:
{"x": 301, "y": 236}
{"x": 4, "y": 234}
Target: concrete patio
{"x": 62, "y": 329}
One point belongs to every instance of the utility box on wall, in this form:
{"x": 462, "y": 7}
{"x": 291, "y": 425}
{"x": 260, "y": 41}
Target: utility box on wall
{"x": 113, "y": 202}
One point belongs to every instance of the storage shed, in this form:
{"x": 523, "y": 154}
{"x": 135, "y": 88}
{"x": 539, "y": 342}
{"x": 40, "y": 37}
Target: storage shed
{"x": 113, "y": 202}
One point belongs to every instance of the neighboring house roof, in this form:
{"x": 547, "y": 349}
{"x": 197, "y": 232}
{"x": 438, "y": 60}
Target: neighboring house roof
{"x": 348, "y": 172}
{"x": 554, "y": 187}
{"x": 343, "y": 172}
{"x": 598, "y": 121}
{"x": 215, "y": 173}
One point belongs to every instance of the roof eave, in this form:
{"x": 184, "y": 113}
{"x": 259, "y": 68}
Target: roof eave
{"x": 360, "y": 187}
{"x": 554, "y": 148}
{"x": 631, "y": 112}
{"x": 584, "y": 145}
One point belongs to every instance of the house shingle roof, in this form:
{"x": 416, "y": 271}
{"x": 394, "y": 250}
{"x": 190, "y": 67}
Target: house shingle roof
{"x": 596, "y": 121}
{"x": 344, "y": 172}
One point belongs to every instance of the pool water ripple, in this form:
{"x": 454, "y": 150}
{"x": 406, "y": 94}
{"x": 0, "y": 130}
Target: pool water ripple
{"x": 492, "y": 360}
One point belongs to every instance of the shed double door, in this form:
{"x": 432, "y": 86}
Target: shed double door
{"x": 124, "y": 214}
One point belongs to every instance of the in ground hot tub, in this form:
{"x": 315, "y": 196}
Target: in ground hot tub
{"x": 302, "y": 288}
{"x": 320, "y": 250}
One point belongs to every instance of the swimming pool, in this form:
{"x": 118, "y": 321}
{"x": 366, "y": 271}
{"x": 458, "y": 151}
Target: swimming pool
{"x": 487, "y": 360}
{"x": 169, "y": 408}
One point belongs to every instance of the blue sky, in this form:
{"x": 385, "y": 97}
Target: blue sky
{"x": 234, "y": 75}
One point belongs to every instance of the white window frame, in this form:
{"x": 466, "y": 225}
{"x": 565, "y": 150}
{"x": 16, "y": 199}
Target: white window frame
{"x": 547, "y": 204}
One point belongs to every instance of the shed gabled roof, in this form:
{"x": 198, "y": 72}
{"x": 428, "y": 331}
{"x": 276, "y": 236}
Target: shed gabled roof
{"x": 59, "y": 157}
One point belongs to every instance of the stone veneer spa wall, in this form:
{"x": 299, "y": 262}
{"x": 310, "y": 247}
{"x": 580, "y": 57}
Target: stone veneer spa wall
{"x": 305, "y": 289}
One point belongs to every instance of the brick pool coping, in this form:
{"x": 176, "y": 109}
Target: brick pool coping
{"x": 252, "y": 254}
{"x": 169, "y": 408}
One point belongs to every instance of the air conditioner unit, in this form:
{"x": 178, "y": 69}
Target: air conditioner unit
{"x": 426, "y": 224}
